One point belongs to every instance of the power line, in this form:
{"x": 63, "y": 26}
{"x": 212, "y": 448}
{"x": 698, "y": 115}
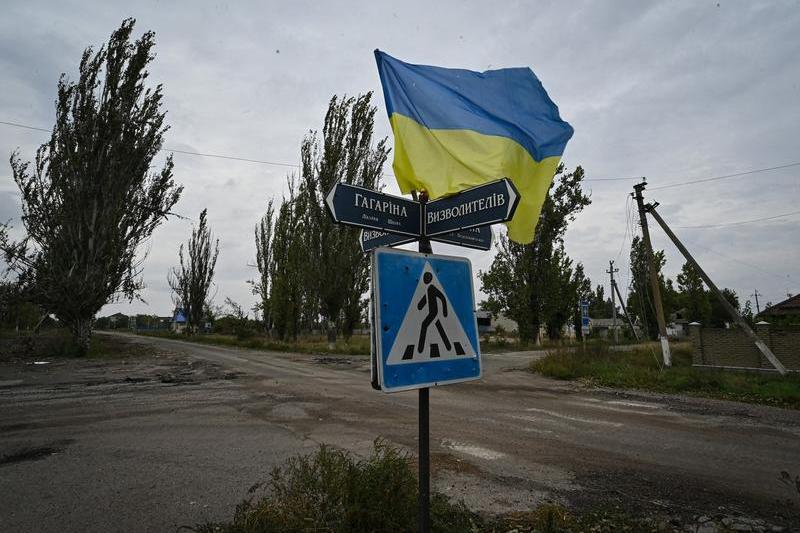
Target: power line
{"x": 724, "y": 177}
{"x": 291, "y": 165}
{"x": 165, "y": 149}
{"x": 234, "y": 158}
{"x": 614, "y": 179}
{"x": 187, "y": 152}
{"x": 23, "y": 126}
{"x": 783, "y": 277}
{"x": 741, "y": 222}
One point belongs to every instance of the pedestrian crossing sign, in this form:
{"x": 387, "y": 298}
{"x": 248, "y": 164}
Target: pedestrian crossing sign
{"x": 425, "y": 328}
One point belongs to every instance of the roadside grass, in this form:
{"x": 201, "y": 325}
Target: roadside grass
{"x": 332, "y": 491}
{"x": 58, "y": 343}
{"x": 640, "y": 368}
{"x": 357, "y": 345}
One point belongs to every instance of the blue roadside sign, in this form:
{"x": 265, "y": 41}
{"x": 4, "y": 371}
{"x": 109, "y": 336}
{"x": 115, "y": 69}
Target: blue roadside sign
{"x": 425, "y": 328}
{"x": 371, "y": 239}
{"x": 585, "y": 320}
{"x": 365, "y": 208}
{"x": 479, "y": 206}
{"x": 479, "y": 238}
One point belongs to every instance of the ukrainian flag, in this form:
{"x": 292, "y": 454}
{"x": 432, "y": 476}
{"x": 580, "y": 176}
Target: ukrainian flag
{"x": 456, "y": 128}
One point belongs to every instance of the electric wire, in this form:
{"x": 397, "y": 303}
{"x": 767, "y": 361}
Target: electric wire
{"x": 740, "y": 222}
{"x": 277, "y": 163}
{"x": 723, "y": 177}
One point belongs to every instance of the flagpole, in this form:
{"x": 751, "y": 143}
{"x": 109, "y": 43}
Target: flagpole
{"x": 424, "y": 421}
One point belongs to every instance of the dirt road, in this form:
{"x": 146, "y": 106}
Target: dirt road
{"x": 154, "y": 443}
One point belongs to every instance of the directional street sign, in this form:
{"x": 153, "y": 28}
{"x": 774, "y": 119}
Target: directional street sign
{"x": 470, "y": 208}
{"x": 425, "y": 328}
{"x": 357, "y": 206}
{"x": 478, "y": 238}
{"x": 371, "y": 239}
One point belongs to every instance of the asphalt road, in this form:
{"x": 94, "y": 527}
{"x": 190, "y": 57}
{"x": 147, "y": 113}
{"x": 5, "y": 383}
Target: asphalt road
{"x": 152, "y": 444}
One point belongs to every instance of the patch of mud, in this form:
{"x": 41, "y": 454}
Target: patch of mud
{"x": 329, "y": 360}
{"x": 487, "y": 495}
{"x": 32, "y": 453}
{"x": 289, "y": 411}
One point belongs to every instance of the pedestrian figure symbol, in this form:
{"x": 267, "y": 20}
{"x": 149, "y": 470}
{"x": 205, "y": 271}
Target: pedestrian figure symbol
{"x": 432, "y": 295}
{"x": 431, "y": 330}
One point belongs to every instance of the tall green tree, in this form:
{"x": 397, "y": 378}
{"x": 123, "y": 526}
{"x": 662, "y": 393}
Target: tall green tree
{"x": 719, "y": 316}
{"x": 288, "y": 291}
{"x": 537, "y": 284}
{"x": 191, "y": 280}
{"x": 599, "y": 305}
{"x": 347, "y": 152}
{"x": 262, "y": 286}
{"x": 640, "y": 300}
{"x": 90, "y": 199}
{"x": 694, "y": 297}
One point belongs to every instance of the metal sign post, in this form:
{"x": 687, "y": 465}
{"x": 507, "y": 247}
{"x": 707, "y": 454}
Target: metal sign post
{"x": 424, "y": 426}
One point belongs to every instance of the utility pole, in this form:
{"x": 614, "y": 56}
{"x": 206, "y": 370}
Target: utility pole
{"x": 611, "y": 271}
{"x": 624, "y": 311}
{"x": 654, "y": 285}
{"x": 737, "y": 318}
{"x": 756, "y": 294}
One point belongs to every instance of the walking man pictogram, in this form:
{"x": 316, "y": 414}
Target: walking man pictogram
{"x": 430, "y": 299}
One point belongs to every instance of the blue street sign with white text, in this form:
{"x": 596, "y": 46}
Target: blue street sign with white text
{"x": 425, "y": 328}
{"x": 365, "y": 208}
{"x": 477, "y": 238}
{"x": 479, "y": 206}
{"x": 371, "y": 239}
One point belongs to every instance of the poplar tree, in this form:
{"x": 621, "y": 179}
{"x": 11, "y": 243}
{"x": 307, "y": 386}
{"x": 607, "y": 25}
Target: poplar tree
{"x": 289, "y": 267}
{"x": 261, "y": 286}
{"x": 347, "y": 152}
{"x": 90, "y": 199}
{"x": 537, "y": 284}
{"x": 191, "y": 280}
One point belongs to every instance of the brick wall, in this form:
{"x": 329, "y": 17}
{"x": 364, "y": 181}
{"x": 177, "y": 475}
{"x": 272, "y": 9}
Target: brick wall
{"x": 731, "y": 347}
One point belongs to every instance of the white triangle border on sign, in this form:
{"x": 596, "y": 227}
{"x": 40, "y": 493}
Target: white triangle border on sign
{"x": 408, "y": 333}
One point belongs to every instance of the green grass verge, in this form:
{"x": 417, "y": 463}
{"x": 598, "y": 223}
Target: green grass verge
{"x": 332, "y": 491}
{"x": 358, "y": 344}
{"x": 641, "y": 369}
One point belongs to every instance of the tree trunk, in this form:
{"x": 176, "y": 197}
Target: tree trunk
{"x": 82, "y": 335}
{"x": 331, "y": 335}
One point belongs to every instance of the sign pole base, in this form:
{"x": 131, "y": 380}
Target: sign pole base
{"x": 424, "y": 461}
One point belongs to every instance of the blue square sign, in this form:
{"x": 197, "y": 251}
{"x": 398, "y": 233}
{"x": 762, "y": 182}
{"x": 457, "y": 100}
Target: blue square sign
{"x": 425, "y": 329}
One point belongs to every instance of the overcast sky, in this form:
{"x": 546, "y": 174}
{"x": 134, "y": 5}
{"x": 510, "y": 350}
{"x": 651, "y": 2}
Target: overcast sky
{"x": 674, "y": 91}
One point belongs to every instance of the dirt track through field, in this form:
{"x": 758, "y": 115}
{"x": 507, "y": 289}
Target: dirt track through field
{"x": 153, "y": 443}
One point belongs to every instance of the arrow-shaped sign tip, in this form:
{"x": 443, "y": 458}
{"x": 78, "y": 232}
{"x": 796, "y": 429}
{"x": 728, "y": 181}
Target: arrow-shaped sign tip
{"x": 513, "y": 195}
{"x": 329, "y": 201}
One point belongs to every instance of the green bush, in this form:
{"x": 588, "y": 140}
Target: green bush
{"x": 333, "y": 492}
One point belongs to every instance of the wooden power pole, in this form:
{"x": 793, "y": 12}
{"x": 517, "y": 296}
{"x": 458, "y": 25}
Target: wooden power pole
{"x": 611, "y": 270}
{"x": 737, "y": 318}
{"x": 654, "y": 285}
